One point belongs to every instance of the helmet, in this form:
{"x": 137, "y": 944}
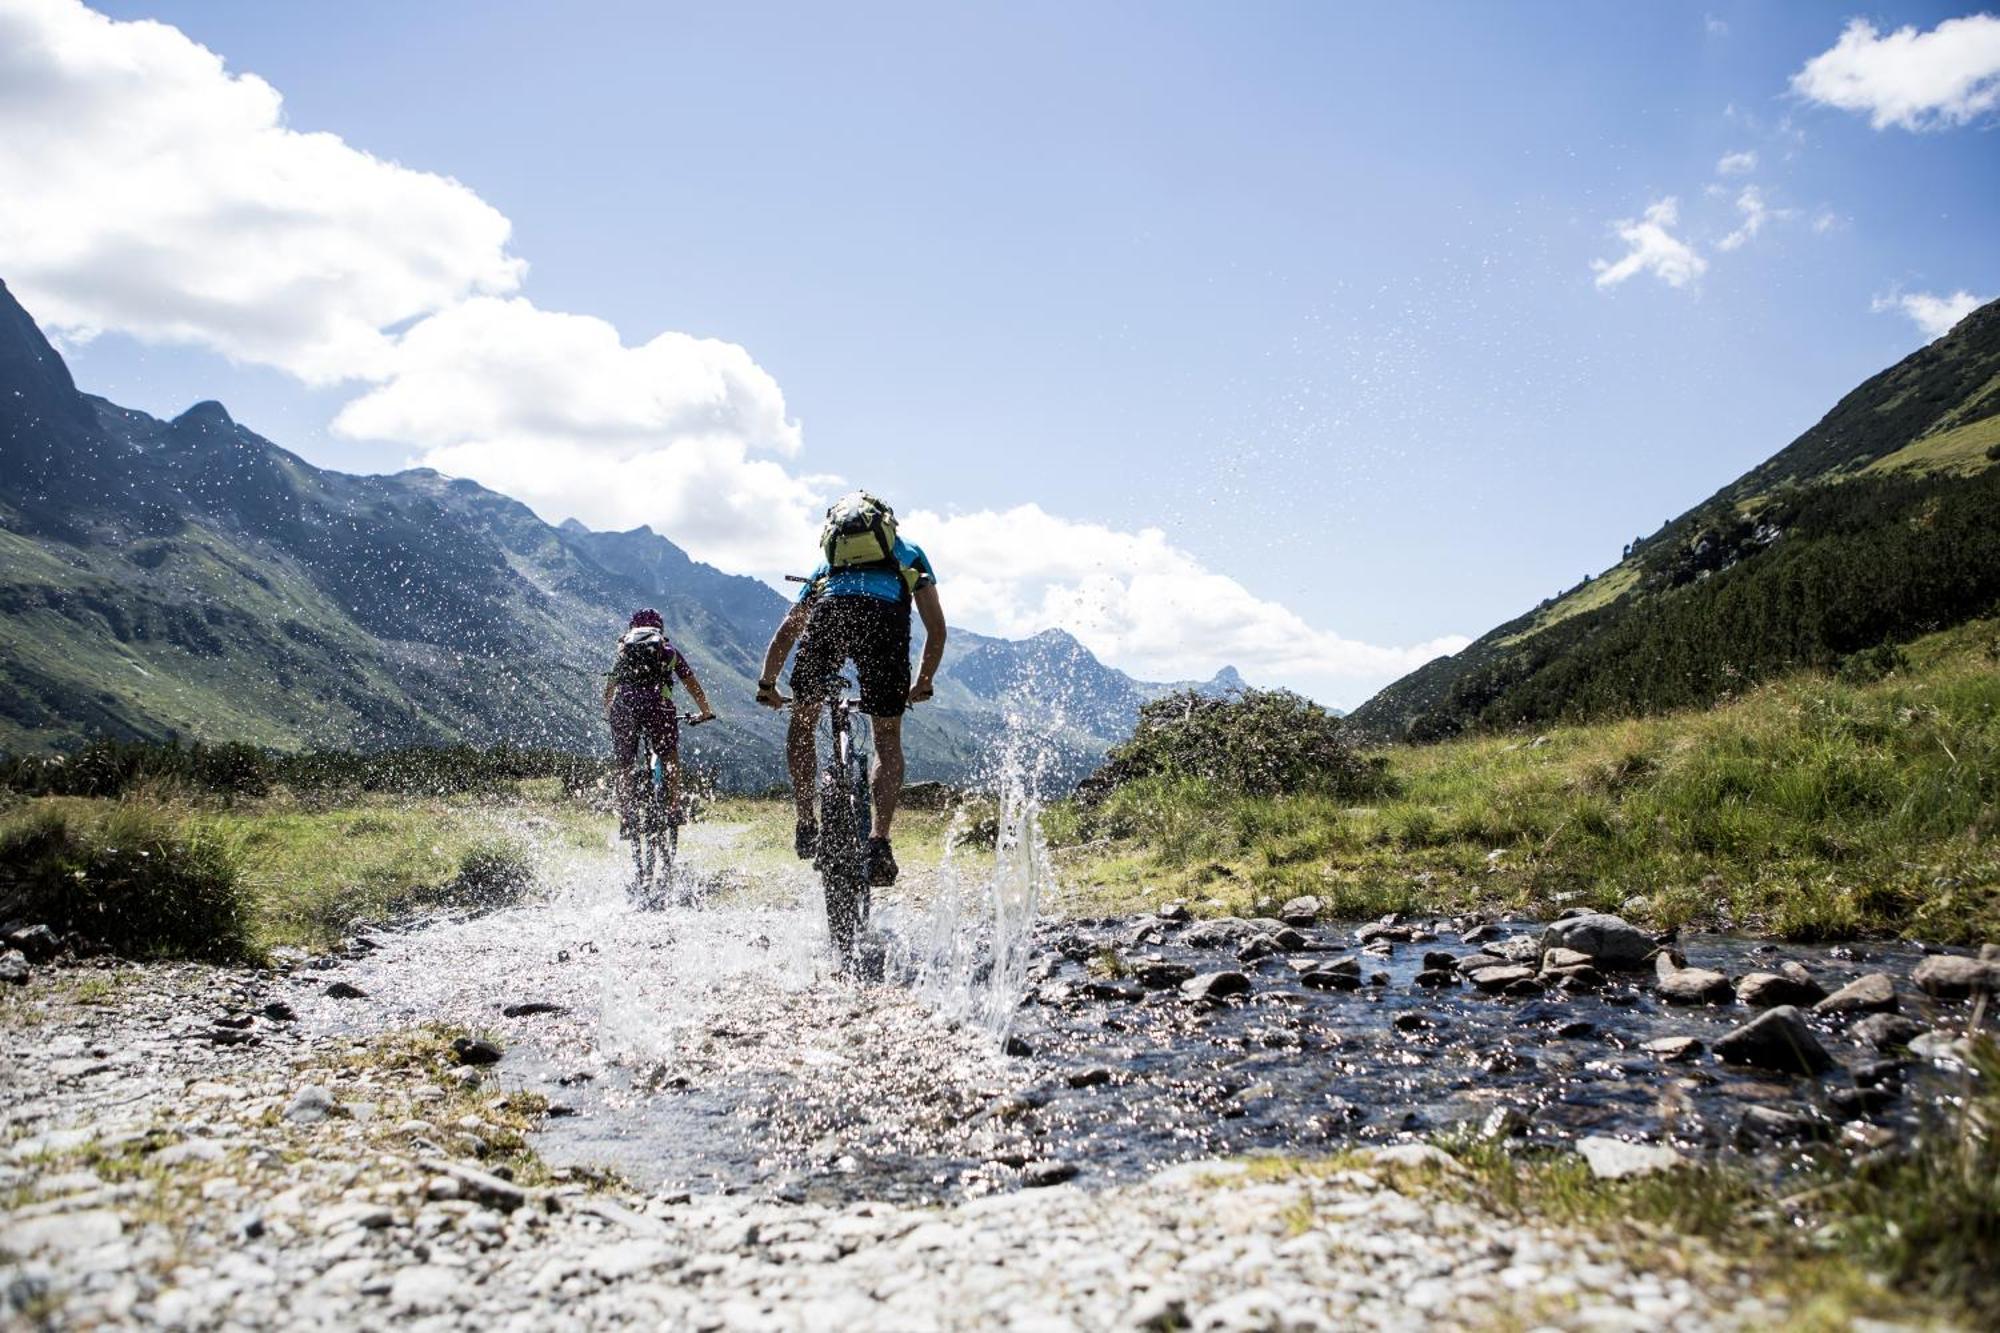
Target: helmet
{"x": 646, "y": 617}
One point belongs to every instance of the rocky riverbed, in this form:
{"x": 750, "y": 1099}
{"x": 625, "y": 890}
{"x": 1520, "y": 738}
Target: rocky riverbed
{"x": 305, "y": 1147}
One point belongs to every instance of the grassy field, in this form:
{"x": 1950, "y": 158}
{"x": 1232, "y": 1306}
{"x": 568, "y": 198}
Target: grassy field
{"x": 1814, "y": 808}
{"x": 233, "y": 882}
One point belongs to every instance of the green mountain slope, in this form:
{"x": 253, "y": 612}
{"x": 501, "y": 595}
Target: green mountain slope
{"x": 1878, "y": 525}
{"x": 190, "y": 578}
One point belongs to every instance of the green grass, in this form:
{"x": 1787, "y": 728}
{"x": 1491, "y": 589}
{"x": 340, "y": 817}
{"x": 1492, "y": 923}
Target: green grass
{"x": 1962, "y": 449}
{"x": 1808, "y": 809}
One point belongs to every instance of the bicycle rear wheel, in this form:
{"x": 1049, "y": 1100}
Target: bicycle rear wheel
{"x": 839, "y": 863}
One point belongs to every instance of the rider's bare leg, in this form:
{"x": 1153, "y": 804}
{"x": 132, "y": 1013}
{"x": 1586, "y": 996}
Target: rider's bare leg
{"x": 802, "y": 756}
{"x": 886, "y": 776}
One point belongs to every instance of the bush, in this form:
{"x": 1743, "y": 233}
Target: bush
{"x": 1257, "y": 742}
{"x": 489, "y": 874}
{"x": 127, "y": 878}
{"x": 1873, "y": 664}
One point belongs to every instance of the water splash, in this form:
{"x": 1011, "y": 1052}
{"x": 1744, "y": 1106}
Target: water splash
{"x": 969, "y": 957}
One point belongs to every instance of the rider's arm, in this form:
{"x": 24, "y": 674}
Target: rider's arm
{"x": 931, "y": 612}
{"x": 687, "y": 677}
{"x": 788, "y": 632}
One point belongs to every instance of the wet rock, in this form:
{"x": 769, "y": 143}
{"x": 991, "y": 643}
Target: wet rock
{"x": 14, "y": 968}
{"x": 474, "y": 1051}
{"x": 1885, "y": 1032}
{"x": 280, "y": 1012}
{"x": 1777, "y": 1039}
{"x": 1871, "y": 994}
{"x": 1767, "y": 990}
{"x": 1300, "y": 911}
{"x": 1955, "y": 977}
{"x": 1176, "y": 913}
{"x": 1474, "y": 962}
{"x": 1858, "y": 1103}
{"x": 1555, "y": 960}
{"x": 532, "y": 1007}
{"x": 1094, "y": 1077}
{"x": 1215, "y": 986}
{"x": 1519, "y": 949}
{"x": 1672, "y": 1050}
{"x": 309, "y": 1105}
{"x": 1690, "y": 985}
{"x": 1577, "y": 1030}
{"x": 1327, "y": 978}
{"x": 1435, "y": 977}
{"x": 1504, "y": 1122}
{"x": 1496, "y": 979}
{"x": 1438, "y": 959}
{"x": 1038, "y": 1175}
{"x": 1942, "y": 1045}
{"x": 37, "y": 944}
{"x": 1415, "y": 1022}
{"x": 1255, "y": 948}
{"x": 1481, "y": 933}
{"x": 1610, "y": 942}
{"x": 1157, "y": 974}
{"x": 345, "y": 990}
{"x": 1583, "y": 977}
{"x": 1290, "y": 940}
{"x": 1878, "y": 1073}
{"x": 1114, "y": 990}
{"x": 1765, "y": 1126}
{"x": 1219, "y": 933}
{"x": 1615, "y": 1159}
{"x": 482, "y": 1187}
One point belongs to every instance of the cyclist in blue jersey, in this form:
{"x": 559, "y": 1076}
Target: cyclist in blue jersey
{"x": 856, "y": 607}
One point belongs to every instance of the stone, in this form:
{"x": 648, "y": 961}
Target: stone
{"x": 14, "y": 967}
{"x": 530, "y": 1008}
{"x": 1504, "y": 1122}
{"x": 1220, "y": 933}
{"x": 69, "y": 1233}
{"x": 1885, "y": 1031}
{"x": 1948, "y": 976}
{"x": 474, "y": 1051}
{"x": 480, "y": 1186}
{"x": 1301, "y": 911}
{"x": 1256, "y": 947}
{"x": 1767, "y": 990}
{"x": 1610, "y": 942}
{"x": 280, "y": 1012}
{"x": 1859, "y": 1103}
{"x": 1434, "y": 977}
{"x": 1214, "y": 987}
{"x": 1437, "y": 958}
{"x": 1481, "y": 933}
{"x": 1777, "y": 1039}
{"x": 37, "y": 944}
{"x": 1415, "y": 1156}
{"x": 626, "y": 1259}
{"x": 1496, "y": 979}
{"x": 1176, "y": 913}
{"x": 1290, "y": 940}
{"x": 1584, "y": 977}
{"x": 1157, "y": 974}
{"x": 1874, "y": 993}
{"x": 1556, "y": 959}
{"x": 1519, "y": 949}
{"x": 1764, "y": 1126}
{"x": 1672, "y": 1050}
{"x": 1109, "y": 989}
{"x": 1473, "y": 962}
{"x": 1690, "y": 985}
{"x": 345, "y": 990}
{"x": 1095, "y": 1076}
{"x": 1039, "y": 1175}
{"x": 1326, "y": 978}
{"x": 1615, "y": 1159}
{"x": 309, "y": 1105}
{"x": 426, "y": 1288}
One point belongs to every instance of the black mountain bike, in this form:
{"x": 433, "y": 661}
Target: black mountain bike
{"x": 845, "y": 812}
{"x": 656, "y": 830}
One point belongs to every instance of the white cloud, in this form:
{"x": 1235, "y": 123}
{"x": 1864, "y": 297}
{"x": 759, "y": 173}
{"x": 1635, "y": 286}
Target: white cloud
{"x": 1757, "y": 213}
{"x": 1933, "y": 315}
{"x": 1909, "y": 79}
{"x": 1737, "y": 164}
{"x": 1143, "y": 604}
{"x": 1652, "y": 248}
{"x": 1715, "y": 26}
{"x": 151, "y": 191}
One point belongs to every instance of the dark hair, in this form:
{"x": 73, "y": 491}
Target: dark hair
{"x": 646, "y": 617}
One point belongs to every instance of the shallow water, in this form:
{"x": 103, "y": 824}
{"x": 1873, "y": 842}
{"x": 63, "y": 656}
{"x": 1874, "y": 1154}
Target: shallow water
{"x": 715, "y": 1048}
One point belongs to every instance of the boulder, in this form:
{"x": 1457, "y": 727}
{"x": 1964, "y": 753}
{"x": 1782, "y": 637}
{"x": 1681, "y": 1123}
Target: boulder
{"x": 1327, "y": 978}
{"x": 1520, "y": 949}
{"x": 1947, "y": 976}
{"x": 474, "y": 1051}
{"x": 1885, "y": 1032}
{"x": 1777, "y": 1039}
{"x": 1300, "y": 911}
{"x": 1690, "y": 985}
{"x": 1581, "y": 977}
{"x": 1767, "y": 990}
{"x": 1762, "y": 1126}
{"x": 1220, "y": 933}
{"x": 1040, "y": 1175}
{"x": 1435, "y": 977}
{"x": 1615, "y": 1159}
{"x": 1610, "y": 942}
{"x": 1215, "y": 986}
{"x": 1555, "y": 960}
{"x": 1672, "y": 1050}
{"x": 1872, "y": 994}
{"x": 345, "y": 990}
{"x": 1503, "y": 978}
{"x": 1158, "y": 974}
{"x": 37, "y": 944}
{"x": 309, "y": 1105}
{"x": 1438, "y": 958}
{"x": 1474, "y": 962}
{"x": 14, "y": 968}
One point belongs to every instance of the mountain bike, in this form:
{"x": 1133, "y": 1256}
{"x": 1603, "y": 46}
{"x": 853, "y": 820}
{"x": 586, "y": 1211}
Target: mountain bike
{"x": 845, "y": 814}
{"x": 656, "y": 830}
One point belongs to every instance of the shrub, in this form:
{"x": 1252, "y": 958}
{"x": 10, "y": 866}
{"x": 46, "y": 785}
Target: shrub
{"x": 128, "y": 878}
{"x": 1257, "y": 742}
{"x": 490, "y": 873}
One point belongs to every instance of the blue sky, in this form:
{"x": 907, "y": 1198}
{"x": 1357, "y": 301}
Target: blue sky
{"x": 1308, "y": 289}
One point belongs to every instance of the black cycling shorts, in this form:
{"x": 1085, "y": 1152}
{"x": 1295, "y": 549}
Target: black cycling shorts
{"x": 874, "y": 634}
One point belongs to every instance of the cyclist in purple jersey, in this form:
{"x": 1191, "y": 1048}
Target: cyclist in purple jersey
{"x": 639, "y": 705}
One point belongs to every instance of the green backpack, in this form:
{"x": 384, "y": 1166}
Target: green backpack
{"x": 860, "y": 530}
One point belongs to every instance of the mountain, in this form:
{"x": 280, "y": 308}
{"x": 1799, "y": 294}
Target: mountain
{"x": 1879, "y": 524}
{"x": 189, "y": 578}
